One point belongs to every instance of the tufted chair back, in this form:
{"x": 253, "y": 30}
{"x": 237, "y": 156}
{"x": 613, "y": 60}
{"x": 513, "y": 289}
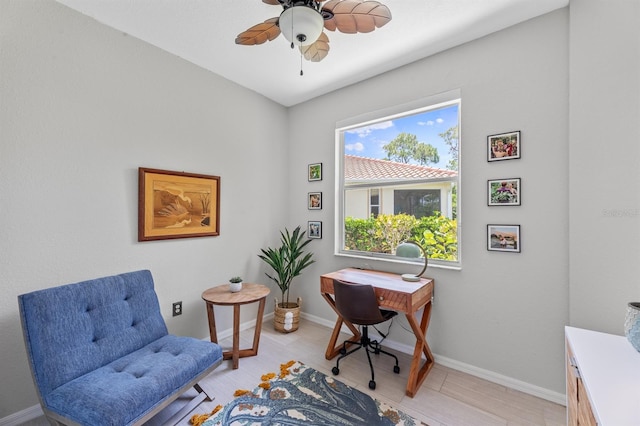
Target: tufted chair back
{"x": 90, "y": 323}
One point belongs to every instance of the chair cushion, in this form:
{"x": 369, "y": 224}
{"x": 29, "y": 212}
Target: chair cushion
{"x": 128, "y": 388}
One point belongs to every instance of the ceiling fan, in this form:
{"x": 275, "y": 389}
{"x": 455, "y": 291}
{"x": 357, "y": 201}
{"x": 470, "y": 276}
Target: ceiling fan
{"x": 302, "y": 22}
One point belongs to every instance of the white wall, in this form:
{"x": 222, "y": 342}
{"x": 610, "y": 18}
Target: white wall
{"x": 82, "y": 106}
{"x": 604, "y": 178}
{"x": 503, "y": 312}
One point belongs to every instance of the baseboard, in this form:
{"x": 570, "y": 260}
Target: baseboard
{"x": 510, "y": 382}
{"x": 23, "y": 416}
{"x": 35, "y": 411}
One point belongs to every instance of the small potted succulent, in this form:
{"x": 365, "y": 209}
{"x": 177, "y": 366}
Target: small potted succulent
{"x": 235, "y": 284}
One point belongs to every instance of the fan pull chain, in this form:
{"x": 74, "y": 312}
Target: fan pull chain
{"x": 301, "y": 73}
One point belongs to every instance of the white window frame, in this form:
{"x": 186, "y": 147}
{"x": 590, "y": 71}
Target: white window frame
{"x": 438, "y": 101}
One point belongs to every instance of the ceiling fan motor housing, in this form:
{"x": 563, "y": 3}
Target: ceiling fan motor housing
{"x": 301, "y": 22}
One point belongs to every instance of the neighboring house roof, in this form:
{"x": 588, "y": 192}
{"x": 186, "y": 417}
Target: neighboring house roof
{"x": 362, "y": 170}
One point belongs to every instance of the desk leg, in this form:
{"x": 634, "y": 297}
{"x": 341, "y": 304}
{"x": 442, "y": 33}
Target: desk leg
{"x": 417, "y": 374}
{"x": 333, "y": 348}
{"x": 212, "y": 323}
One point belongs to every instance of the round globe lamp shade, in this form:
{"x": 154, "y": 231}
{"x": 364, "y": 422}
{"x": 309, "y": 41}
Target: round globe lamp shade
{"x": 301, "y": 25}
{"x": 412, "y": 250}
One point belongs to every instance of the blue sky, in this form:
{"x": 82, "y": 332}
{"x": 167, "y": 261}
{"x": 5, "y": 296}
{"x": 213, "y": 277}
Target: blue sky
{"x": 367, "y": 141}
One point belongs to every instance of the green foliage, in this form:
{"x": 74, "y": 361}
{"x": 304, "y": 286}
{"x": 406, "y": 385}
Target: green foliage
{"x": 450, "y": 137}
{"x": 392, "y": 229}
{"x": 439, "y": 236}
{"x": 405, "y": 147}
{"x": 360, "y": 235}
{"x": 288, "y": 260}
{"x": 235, "y": 280}
{"x": 436, "y": 233}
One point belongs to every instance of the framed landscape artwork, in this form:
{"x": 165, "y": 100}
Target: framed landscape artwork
{"x": 177, "y": 205}
{"x": 503, "y": 238}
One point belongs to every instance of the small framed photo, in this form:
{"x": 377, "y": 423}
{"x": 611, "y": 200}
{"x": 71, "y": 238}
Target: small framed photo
{"x": 314, "y": 200}
{"x": 314, "y": 229}
{"x": 503, "y": 192}
{"x": 314, "y": 172}
{"x": 503, "y": 238}
{"x": 503, "y": 146}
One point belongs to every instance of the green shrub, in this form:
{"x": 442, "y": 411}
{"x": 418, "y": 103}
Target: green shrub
{"x": 436, "y": 233}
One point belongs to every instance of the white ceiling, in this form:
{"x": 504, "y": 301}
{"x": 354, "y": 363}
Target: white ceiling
{"x": 203, "y": 32}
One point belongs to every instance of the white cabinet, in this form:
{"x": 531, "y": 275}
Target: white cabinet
{"x": 603, "y": 379}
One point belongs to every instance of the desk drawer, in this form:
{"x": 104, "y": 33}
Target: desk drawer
{"x": 393, "y": 300}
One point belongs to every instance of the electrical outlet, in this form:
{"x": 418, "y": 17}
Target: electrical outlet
{"x": 177, "y": 309}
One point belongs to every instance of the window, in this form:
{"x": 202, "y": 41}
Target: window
{"x": 416, "y": 202}
{"x": 399, "y": 180}
{"x": 374, "y": 202}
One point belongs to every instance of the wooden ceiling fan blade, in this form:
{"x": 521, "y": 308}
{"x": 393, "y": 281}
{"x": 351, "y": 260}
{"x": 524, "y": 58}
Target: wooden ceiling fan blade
{"x": 273, "y": 2}
{"x": 260, "y": 33}
{"x": 316, "y": 51}
{"x": 356, "y": 16}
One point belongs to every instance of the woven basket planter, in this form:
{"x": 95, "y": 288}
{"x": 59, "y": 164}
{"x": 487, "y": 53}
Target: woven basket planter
{"x": 287, "y": 316}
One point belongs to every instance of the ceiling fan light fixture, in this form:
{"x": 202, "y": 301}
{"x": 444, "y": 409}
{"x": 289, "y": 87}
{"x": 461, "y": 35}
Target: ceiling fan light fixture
{"x": 301, "y": 25}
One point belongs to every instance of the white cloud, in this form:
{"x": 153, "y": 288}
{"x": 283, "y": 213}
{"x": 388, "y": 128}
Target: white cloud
{"x": 431, "y": 122}
{"x": 366, "y": 130}
{"x": 357, "y": 147}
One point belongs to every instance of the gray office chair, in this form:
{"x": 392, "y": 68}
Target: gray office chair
{"x": 357, "y": 304}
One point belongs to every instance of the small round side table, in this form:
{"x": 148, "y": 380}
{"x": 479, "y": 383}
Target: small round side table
{"x": 221, "y": 295}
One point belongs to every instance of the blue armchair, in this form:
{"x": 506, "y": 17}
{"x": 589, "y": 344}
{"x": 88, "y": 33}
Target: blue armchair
{"x": 100, "y": 352}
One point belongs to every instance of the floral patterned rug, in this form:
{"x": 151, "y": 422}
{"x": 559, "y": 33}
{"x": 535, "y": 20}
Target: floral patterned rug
{"x": 300, "y": 395}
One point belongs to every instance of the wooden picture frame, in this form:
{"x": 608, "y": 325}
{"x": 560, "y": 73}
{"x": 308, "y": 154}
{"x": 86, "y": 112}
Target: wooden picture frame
{"x": 314, "y": 229}
{"x": 177, "y": 205}
{"x": 314, "y": 172}
{"x": 504, "y": 192}
{"x": 314, "y": 201}
{"x": 504, "y": 238}
{"x": 503, "y": 146}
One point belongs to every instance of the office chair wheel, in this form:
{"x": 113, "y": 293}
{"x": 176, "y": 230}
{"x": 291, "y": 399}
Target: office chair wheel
{"x": 343, "y": 351}
{"x": 335, "y": 371}
{"x": 396, "y": 369}
{"x": 372, "y": 384}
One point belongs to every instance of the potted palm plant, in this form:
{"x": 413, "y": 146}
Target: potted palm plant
{"x": 287, "y": 261}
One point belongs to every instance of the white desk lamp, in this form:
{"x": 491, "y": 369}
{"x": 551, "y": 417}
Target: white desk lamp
{"x": 411, "y": 249}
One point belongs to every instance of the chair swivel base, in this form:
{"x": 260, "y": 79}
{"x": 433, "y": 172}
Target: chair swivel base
{"x": 371, "y": 346}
